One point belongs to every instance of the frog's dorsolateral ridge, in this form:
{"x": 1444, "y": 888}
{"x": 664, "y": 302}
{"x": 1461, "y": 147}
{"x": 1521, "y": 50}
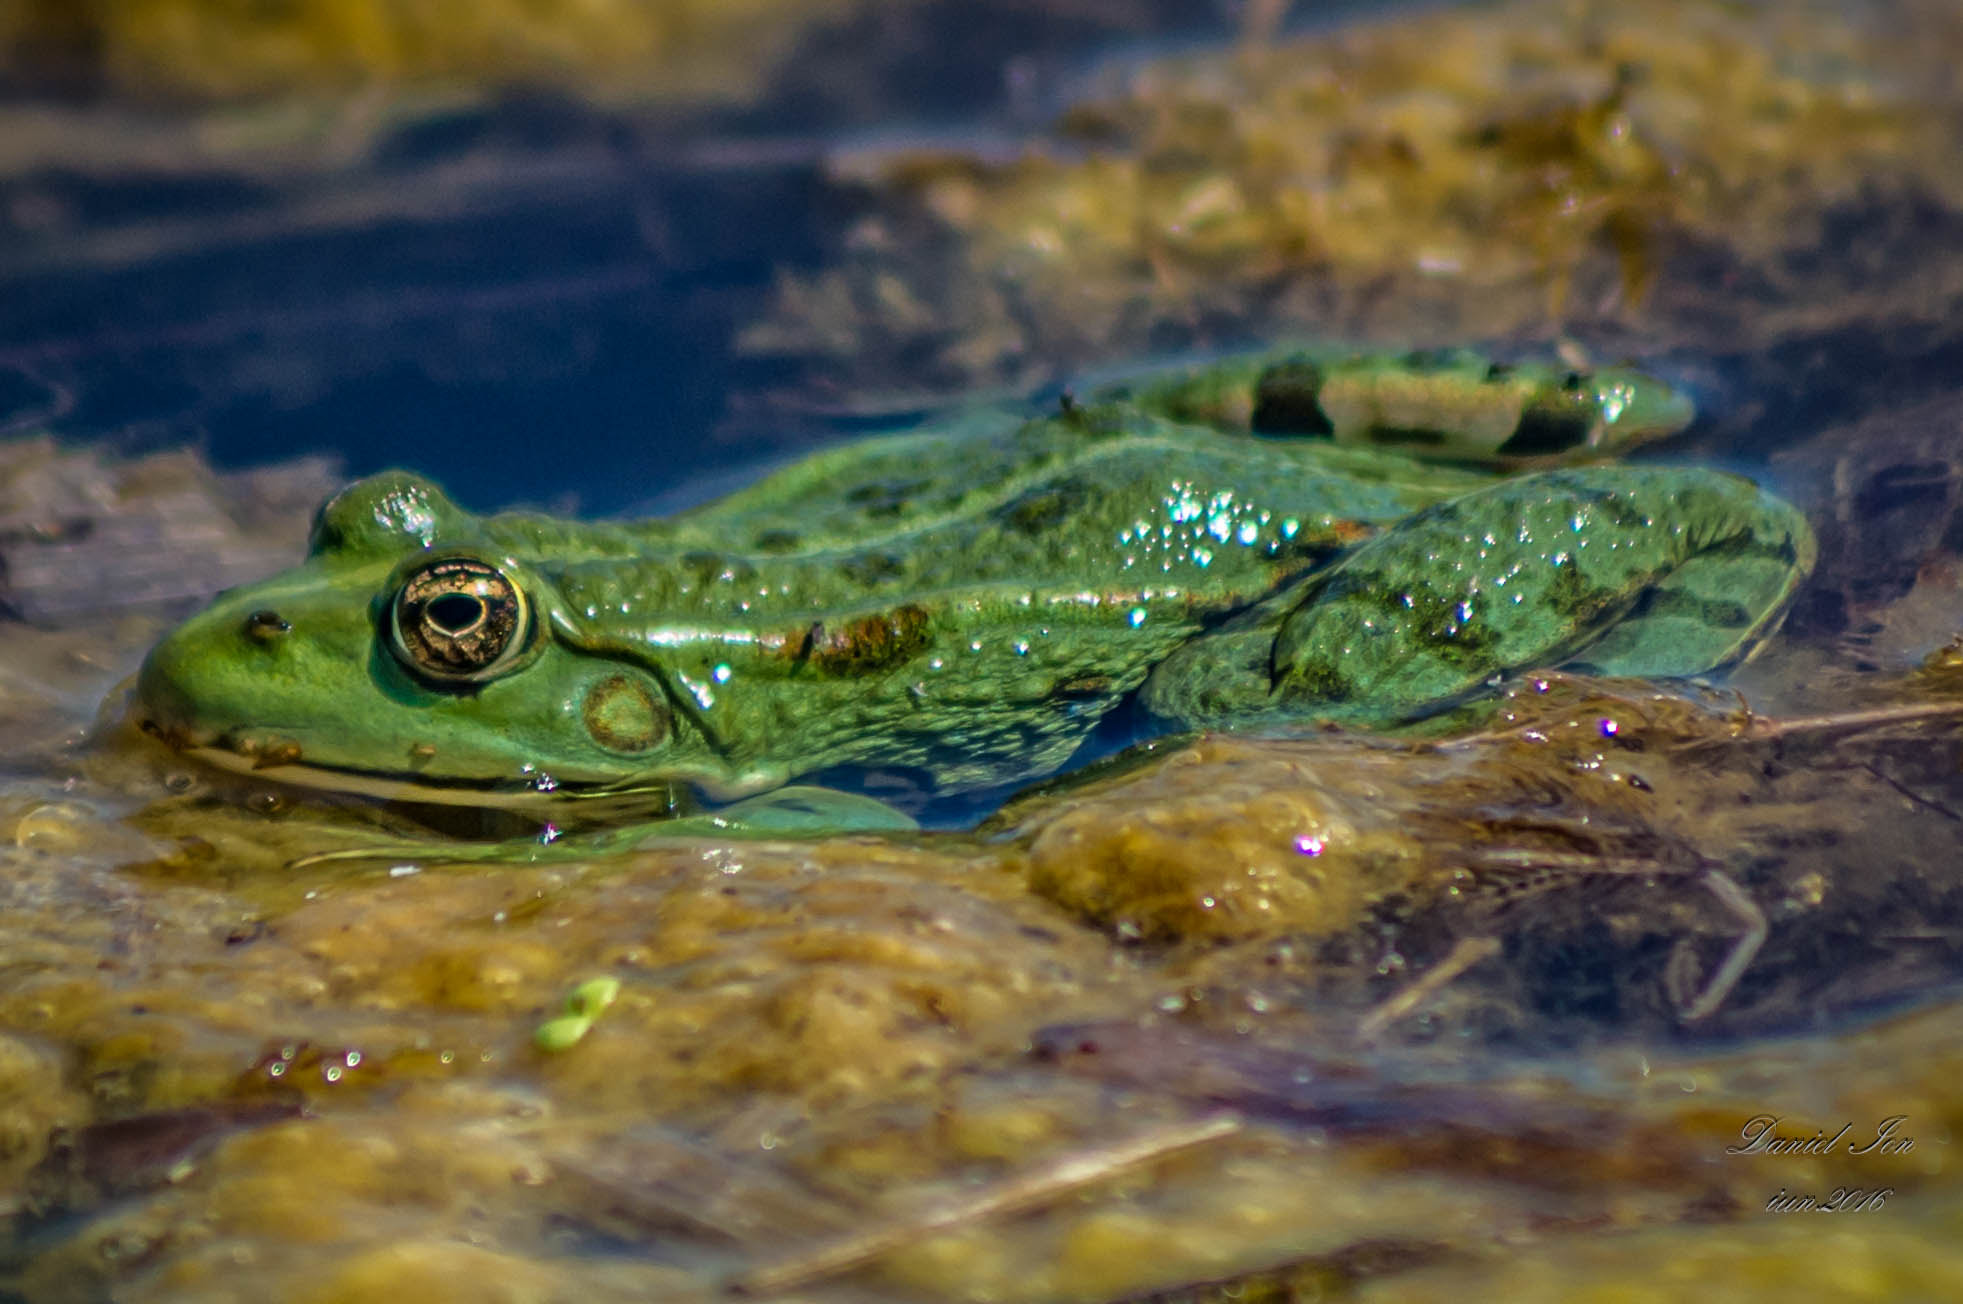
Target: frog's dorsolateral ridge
{"x": 1296, "y": 535}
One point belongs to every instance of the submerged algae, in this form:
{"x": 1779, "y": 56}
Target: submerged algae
{"x": 1468, "y": 172}
{"x": 834, "y": 1036}
{"x": 202, "y": 50}
{"x": 726, "y": 53}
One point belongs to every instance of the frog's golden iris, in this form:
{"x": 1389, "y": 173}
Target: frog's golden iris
{"x": 459, "y": 621}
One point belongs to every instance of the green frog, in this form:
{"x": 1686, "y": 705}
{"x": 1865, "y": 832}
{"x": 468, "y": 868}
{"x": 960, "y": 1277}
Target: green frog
{"x": 1294, "y": 535}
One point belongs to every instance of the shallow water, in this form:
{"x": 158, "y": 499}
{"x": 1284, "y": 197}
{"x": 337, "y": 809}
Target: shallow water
{"x": 1495, "y": 1034}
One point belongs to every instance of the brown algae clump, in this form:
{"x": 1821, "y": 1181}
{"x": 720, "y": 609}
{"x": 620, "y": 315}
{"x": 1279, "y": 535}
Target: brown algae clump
{"x": 1476, "y": 171}
{"x": 1259, "y": 847}
{"x": 205, "y": 50}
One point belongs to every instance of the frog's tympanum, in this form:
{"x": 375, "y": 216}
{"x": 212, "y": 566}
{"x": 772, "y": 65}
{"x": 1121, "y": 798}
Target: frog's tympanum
{"x": 1295, "y": 536}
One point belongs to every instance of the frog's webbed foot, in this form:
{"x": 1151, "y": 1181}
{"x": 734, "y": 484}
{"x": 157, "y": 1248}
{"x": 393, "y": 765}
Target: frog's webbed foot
{"x": 794, "y": 812}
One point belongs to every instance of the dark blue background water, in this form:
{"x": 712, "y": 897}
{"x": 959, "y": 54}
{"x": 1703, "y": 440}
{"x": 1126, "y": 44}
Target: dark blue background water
{"x": 555, "y": 328}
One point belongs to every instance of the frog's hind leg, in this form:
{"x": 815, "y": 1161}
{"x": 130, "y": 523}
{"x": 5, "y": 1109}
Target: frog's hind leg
{"x": 1267, "y": 392}
{"x": 1452, "y": 405}
{"x": 1633, "y": 570}
{"x": 1714, "y": 609}
{"x": 1221, "y": 392}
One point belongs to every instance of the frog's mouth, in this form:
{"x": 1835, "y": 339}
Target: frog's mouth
{"x": 283, "y": 761}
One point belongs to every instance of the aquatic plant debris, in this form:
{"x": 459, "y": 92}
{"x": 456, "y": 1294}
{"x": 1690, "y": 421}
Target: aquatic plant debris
{"x": 583, "y": 1008}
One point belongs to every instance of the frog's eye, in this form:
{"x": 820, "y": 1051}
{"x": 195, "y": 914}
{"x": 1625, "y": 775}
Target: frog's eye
{"x": 458, "y": 621}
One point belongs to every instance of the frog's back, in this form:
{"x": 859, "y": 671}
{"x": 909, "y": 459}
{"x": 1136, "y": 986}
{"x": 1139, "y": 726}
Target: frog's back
{"x": 1089, "y": 497}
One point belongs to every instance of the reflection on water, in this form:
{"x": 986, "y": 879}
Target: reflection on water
{"x": 1229, "y": 1018}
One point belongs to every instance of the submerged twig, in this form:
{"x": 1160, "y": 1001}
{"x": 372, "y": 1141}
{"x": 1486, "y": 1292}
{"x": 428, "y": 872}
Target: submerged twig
{"x": 1468, "y": 952}
{"x": 1765, "y": 727}
{"x": 1910, "y": 795}
{"x": 1754, "y": 727}
{"x": 1058, "y": 1177}
{"x": 1740, "y": 903}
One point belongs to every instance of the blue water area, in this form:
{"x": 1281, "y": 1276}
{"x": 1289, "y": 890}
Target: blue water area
{"x": 529, "y": 342}
{"x": 532, "y": 299}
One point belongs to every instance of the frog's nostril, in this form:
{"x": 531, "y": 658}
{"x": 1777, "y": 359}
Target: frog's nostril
{"x": 265, "y": 626}
{"x": 264, "y": 750}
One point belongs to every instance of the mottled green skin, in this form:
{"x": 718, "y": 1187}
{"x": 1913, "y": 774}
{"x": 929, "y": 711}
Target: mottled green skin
{"x": 967, "y": 602}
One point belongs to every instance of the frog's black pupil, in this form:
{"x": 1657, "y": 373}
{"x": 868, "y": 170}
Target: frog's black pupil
{"x": 453, "y": 613}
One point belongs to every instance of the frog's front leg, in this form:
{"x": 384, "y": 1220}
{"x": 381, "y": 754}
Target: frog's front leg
{"x": 1619, "y": 570}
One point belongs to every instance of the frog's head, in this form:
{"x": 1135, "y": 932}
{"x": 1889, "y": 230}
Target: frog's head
{"x": 412, "y": 657}
{"x": 1577, "y": 415}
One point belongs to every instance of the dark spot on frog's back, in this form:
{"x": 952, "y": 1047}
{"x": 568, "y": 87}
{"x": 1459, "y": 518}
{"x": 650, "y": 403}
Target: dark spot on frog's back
{"x": 1044, "y": 508}
{"x": 1551, "y": 425}
{"x": 1430, "y": 362}
{"x": 867, "y": 645}
{"x": 867, "y": 569}
{"x": 266, "y": 626}
{"x": 710, "y": 567}
{"x": 886, "y": 500}
{"x": 1557, "y": 420}
{"x": 1287, "y": 400}
{"x": 778, "y": 541}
